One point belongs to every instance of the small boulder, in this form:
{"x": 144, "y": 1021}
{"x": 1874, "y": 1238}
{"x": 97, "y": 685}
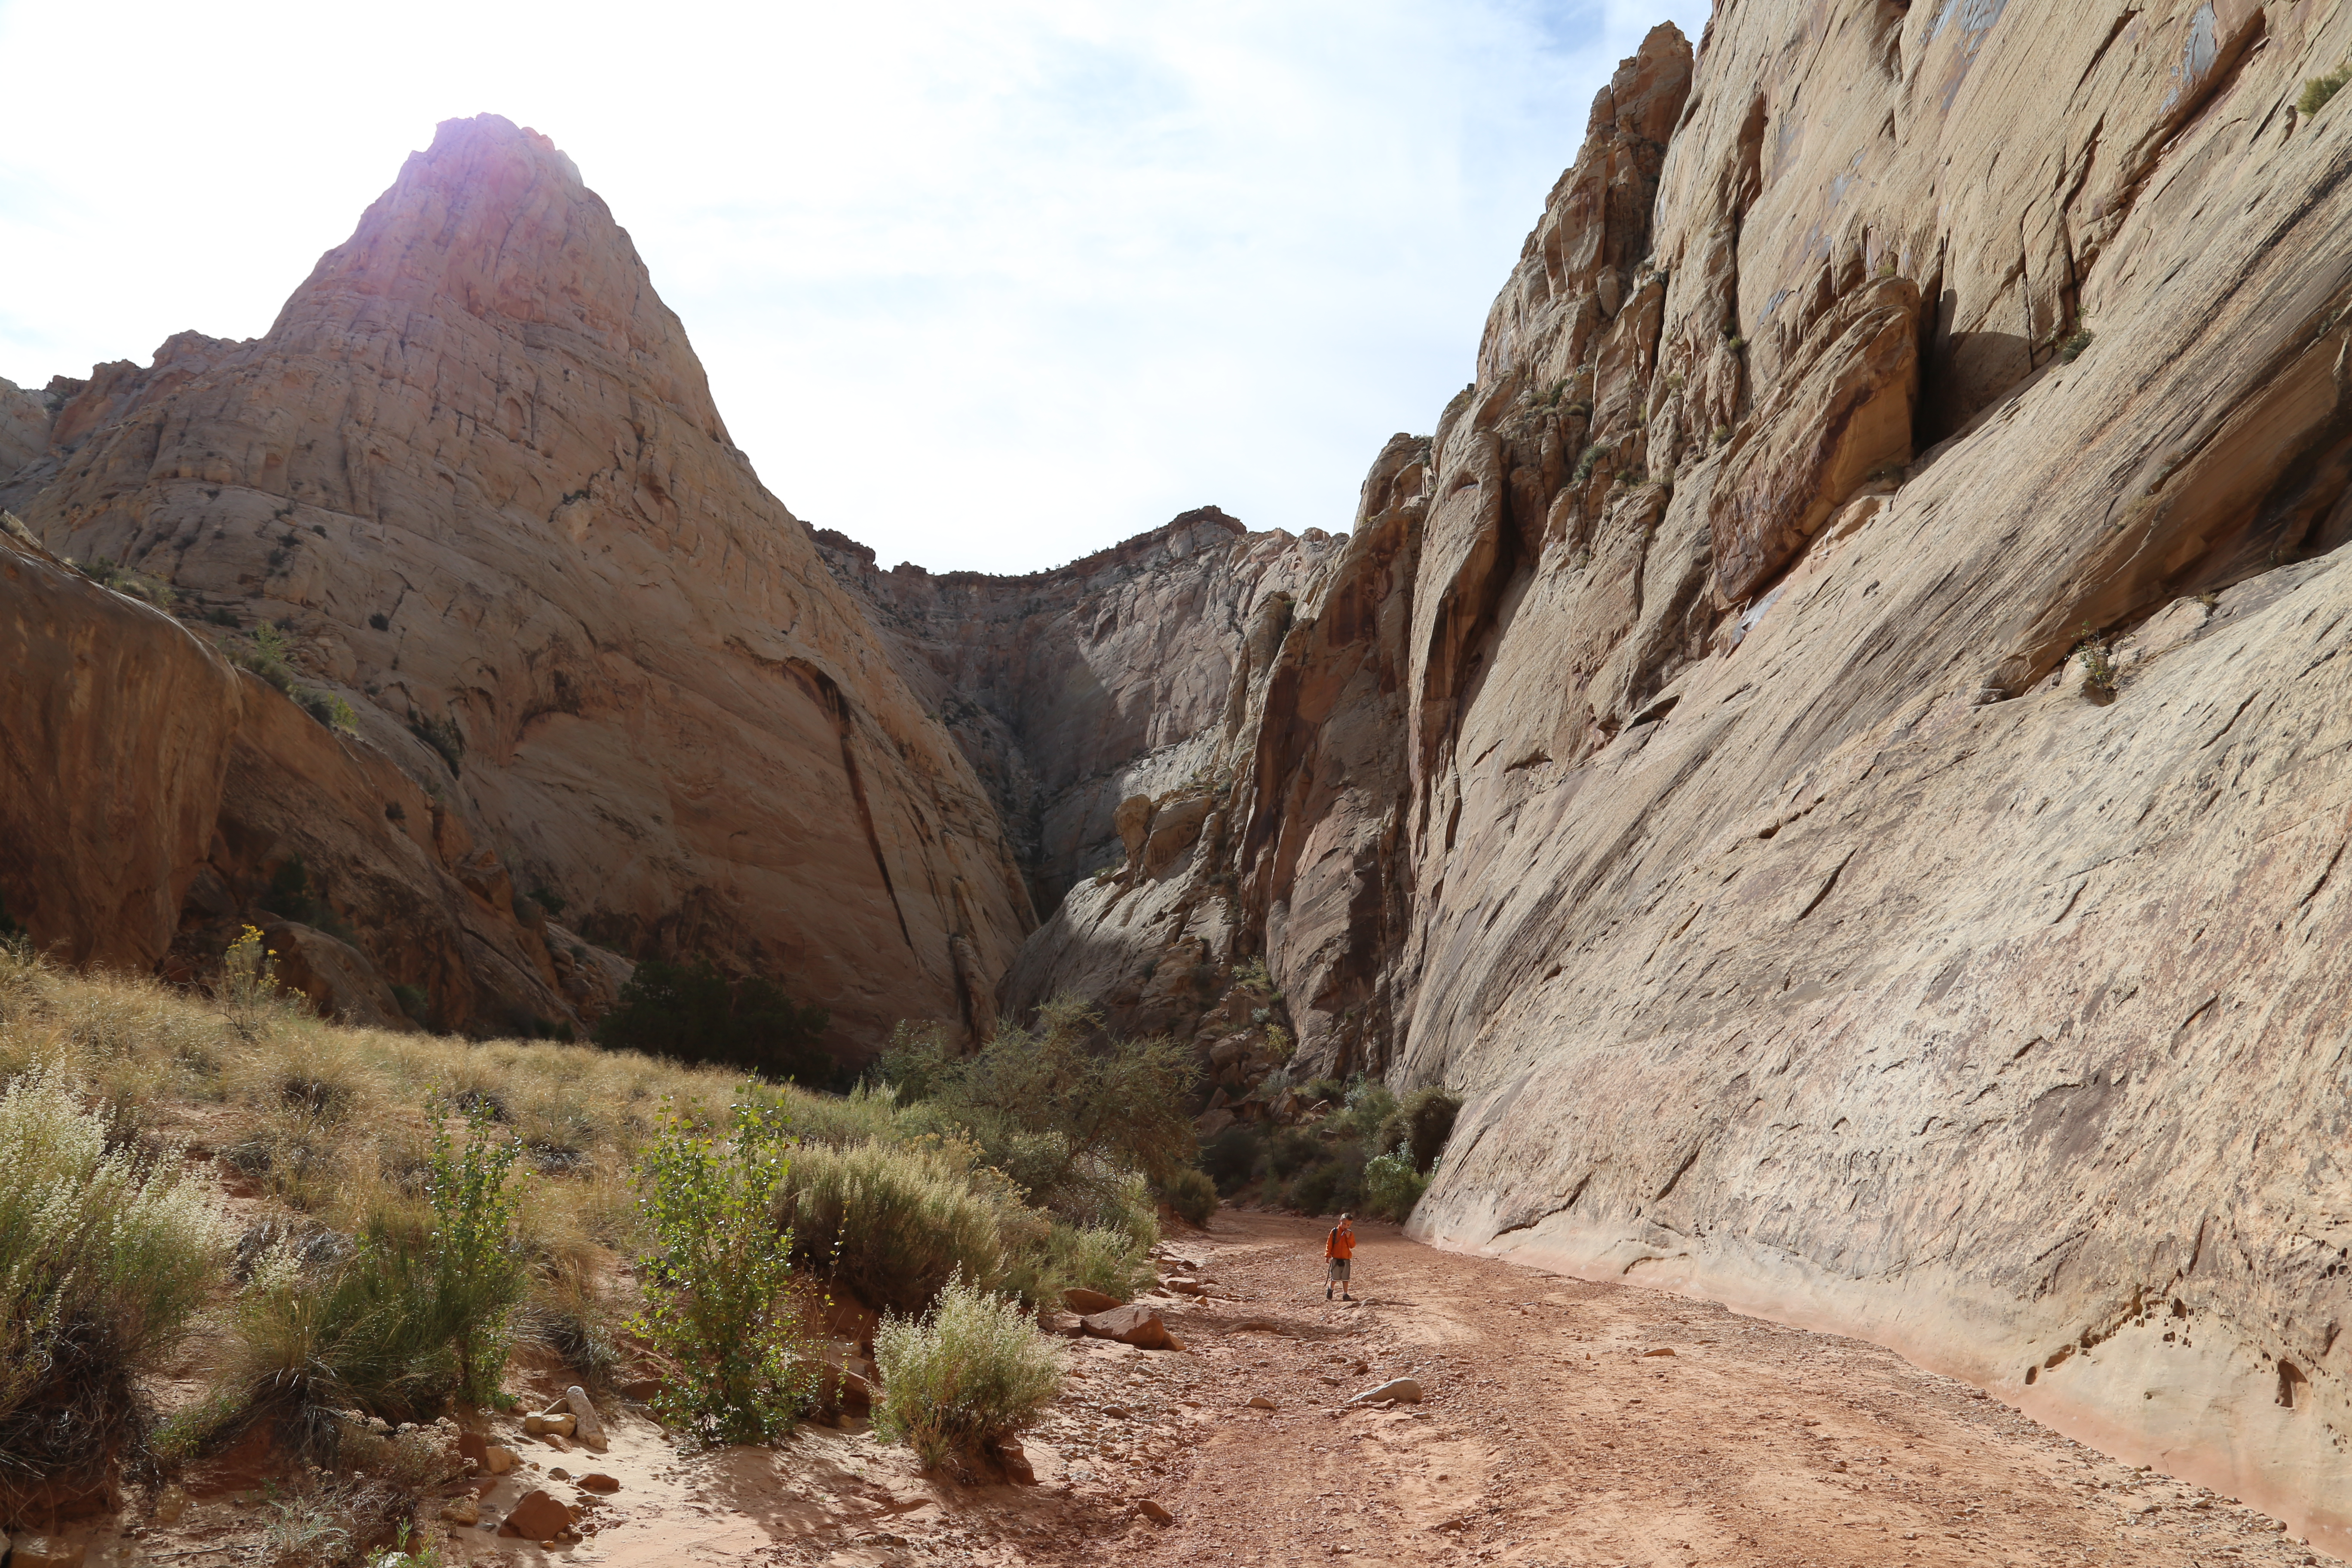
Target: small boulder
{"x": 462, "y": 1510}
{"x": 587, "y": 1426}
{"x": 1083, "y": 1302}
{"x": 1154, "y": 1513}
{"x": 559, "y": 1474}
{"x": 597, "y": 1482}
{"x": 1069, "y": 1325}
{"x": 499, "y": 1460}
{"x": 1010, "y": 1457}
{"x": 537, "y": 1517}
{"x": 547, "y": 1426}
{"x": 1137, "y": 1326}
{"x": 1186, "y": 1286}
{"x": 474, "y": 1447}
{"x": 1662, "y": 1350}
{"x": 1260, "y": 1402}
{"x": 1402, "y": 1390}
{"x": 47, "y": 1552}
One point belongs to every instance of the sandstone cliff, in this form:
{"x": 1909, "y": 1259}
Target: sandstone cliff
{"x": 1690, "y": 759}
{"x": 475, "y": 474}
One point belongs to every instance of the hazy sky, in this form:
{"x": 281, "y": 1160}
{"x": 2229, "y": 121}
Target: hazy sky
{"x": 984, "y": 285}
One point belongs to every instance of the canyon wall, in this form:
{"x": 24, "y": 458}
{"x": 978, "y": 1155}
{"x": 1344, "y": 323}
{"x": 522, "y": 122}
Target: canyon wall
{"x": 473, "y": 474}
{"x": 1837, "y": 745}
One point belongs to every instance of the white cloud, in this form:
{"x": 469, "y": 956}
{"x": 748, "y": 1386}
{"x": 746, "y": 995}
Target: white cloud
{"x": 986, "y": 286}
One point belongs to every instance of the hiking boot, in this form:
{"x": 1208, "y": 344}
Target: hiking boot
{"x": 1326, "y": 1292}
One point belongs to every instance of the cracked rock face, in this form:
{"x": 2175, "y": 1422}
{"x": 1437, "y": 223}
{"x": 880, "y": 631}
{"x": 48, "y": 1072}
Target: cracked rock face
{"x": 475, "y": 471}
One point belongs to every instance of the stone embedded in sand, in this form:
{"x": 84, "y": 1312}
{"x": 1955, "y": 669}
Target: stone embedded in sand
{"x": 1137, "y": 1326}
{"x": 1662, "y": 1350}
{"x": 499, "y": 1460}
{"x": 590, "y": 1428}
{"x": 1068, "y": 1324}
{"x": 537, "y": 1516}
{"x": 472, "y": 1445}
{"x": 1260, "y": 1402}
{"x": 597, "y": 1482}
{"x": 1402, "y": 1390}
{"x": 1153, "y": 1511}
{"x": 1005, "y": 1450}
{"x": 1081, "y": 1300}
{"x": 1184, "y": 1286}
{"x": 547, "y": 1426}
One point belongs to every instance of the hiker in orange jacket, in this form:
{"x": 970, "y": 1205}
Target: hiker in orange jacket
{"x": 1341, "y": 1250}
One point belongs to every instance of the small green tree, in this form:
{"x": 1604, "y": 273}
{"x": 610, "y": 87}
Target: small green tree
{"x": 477, "y": 1263}
{"x": 717, "y": 1281}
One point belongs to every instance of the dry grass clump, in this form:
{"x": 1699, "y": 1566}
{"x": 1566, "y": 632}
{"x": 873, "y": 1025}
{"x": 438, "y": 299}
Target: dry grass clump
{"x": 104, "y": 1256}
{"x": 970, "y": 1370}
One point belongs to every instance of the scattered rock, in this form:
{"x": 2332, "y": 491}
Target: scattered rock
{"x": 587, "y": 1426}
{"x": 537, "y": 1517}
{"x": 1083, "y": 1302}
{"x": 597, "y": 1482}
{"x": 547, "y": 1426}
{"x": 499, "y": 1460}
{"x": 1189, "y": 1287}
{"x": 169, "y": 1505}
{"x": 1402, "y": 1390}
{"x": 462, "y": 1510}
{"x": 473, "y": 1446}
{"x": 1013, "y": 1460}
{"x": 1137, "y": 1326}
{"x": 1662, "y": 1350}
{"x": 1260, "y": 1402}
{"x": 1154, "y": 1513}
{"x": 559, "y": 1474}
{"x": 1068, "y": 1324}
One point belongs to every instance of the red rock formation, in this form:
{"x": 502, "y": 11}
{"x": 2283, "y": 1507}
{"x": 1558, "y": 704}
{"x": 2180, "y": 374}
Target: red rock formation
{"x": 475, "y": 470}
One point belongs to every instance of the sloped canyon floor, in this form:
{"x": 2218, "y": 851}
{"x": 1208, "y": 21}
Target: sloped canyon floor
{"x": 1566, "y": 1424}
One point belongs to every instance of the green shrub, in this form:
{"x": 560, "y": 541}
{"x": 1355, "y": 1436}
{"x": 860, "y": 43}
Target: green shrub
{"x": 1230, "y": 1158}
{"x": 1094, "y": 1257}
{"x": 1423, "y": 1121}
{"x": 1292, "y": 1149}
{"x": 1332, "y": 1184}
{"x": 479, "y": 1278}
{"x": 443, "y": 735}
{"x": 2319, "y": 90}
{"x": 104, "y": 1257}
{"x": 894, "y": 1222}
{"x": 267, "y": 659}
{"x": 971, "y": 1369}
{"x": 1391, "y": 1186}
{"x": 716, "y": 1281}
{"x": 694, "y": 1013}
{"x": 1193, "y": 1194}
{"x": 2072, "y": 348}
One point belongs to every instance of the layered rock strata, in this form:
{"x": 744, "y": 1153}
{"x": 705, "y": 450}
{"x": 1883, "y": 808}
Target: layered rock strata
{"x": 474, "y": 473}
{"x": 1832, "y": 743}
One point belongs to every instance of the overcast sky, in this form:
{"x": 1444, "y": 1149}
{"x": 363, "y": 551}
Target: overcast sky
{"x": 985, "y": 285}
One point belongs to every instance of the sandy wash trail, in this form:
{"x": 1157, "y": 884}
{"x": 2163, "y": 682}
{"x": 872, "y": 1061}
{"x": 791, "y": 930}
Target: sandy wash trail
{"x": 1573, "y": 1424}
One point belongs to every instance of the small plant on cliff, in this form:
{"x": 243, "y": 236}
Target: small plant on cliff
{"x": 718, "y": 1278}
{"x": 2071, "y": 348}
{"x": 2319, "y": 90}
{"x": 441, "y": 734}
{"x": 971, "y": 1370}
{"x": 1585, "y": 461}
{"x": 2098, "y": 657}
{"x": 331, "y": 711}
{"x": 267, "y": 659}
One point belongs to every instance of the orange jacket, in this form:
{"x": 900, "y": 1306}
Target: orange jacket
{"x": 1342, "y": 1243}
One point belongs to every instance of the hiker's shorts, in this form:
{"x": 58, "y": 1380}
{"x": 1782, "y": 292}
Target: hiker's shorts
{"x": 1340, "y": 1269}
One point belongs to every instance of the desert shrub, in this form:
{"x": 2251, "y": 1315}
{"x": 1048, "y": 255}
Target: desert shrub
{"x": 2072, "y": 348}
{"x": 866, "y": 1113}
{"x": 1063, "y": 1108}
{"x": 2098, "y": 657}
{"x": 1193, "y": 1194}
{"x": 329, "y": 710}
{"x": 972, "y": 1368}
{"x": 443, "y": 735}
{"x": 248, "y": 986}
{"x": 104, "y": 1257}
{"x": 2318, "y": 90}
{"x": 1331, "y": 1184}
{"x": 717, "y": 1275}
{"x": 478, "y": 1269}
{"x": 1421, "y": 1123}
{"x": 1230, "y": 1158}
{"x": 415, "y": 1313}
{"x": 894, "y": 1222}
{"x": 693, "y": 1012}
{"x": 1095, "y": 1259}
{"x": 1291, "y": 1151}
{"x": 1391, "y": 1185}
{"x": 269, "y": 657}
{"x": 1364, "y": 1110}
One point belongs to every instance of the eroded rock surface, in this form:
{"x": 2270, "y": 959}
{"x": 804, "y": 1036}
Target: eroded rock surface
{"x": 475, "y": 473}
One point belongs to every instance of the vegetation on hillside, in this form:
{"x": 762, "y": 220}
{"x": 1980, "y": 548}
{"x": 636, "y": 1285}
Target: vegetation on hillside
{"x": 1364, "y": 1150}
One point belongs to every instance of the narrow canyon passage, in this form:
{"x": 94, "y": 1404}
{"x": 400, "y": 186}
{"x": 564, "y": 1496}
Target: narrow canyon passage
{"x": 1556, "y": 1431}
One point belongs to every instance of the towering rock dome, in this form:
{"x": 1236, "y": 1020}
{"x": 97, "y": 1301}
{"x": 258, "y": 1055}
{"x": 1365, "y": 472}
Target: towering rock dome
{"x": 475, "y": 473}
